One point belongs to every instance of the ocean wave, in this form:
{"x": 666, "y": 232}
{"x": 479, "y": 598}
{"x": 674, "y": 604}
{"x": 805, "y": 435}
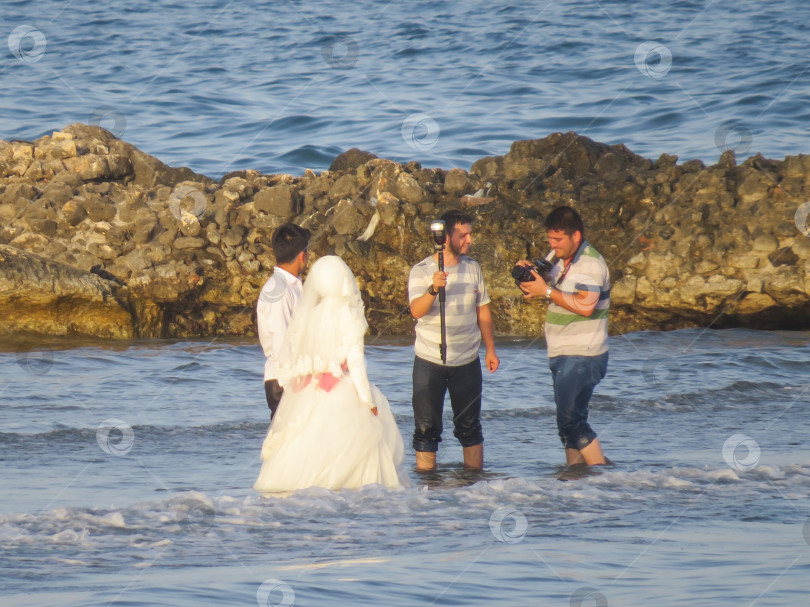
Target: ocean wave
{"x": 671, "y": 399}
{"x": 210, "y": 519}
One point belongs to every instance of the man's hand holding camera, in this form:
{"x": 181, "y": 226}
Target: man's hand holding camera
{"x": 537, "y": 284}
{"x": 535, "y": 287}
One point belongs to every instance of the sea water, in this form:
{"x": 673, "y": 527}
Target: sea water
{"x": 127, "y": 471}
{"x": 224, "y": 85}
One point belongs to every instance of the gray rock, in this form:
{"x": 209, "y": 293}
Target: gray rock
{"x": 189, "y": 225}
{"x": 15, "y": 191}
{"x": 345, "y": 187}
{"x": 351, "y": 159}
{"x": 7, "y": 214}
{"x": 457, "y": 181}
{"x": 408, "y": 189}
{"x": 766, "y": 243}
{"x": 281, "y": 200}
{"x": 688, "y": 245}
{"x": 187, "y": 242}
{"x": 212, "y": 233}
{"x": 45, "y": 297}
{"x": 389, "y": 209}
{"x": 487, "y": 168}
{"x": 785, "y": 256}
{"x": 346, "y": 218}
{"x": 145, "y": 230}
{"x": 608, "y": 165}
{"x": 234, "y": 236}
{"x": 149, "y": 171}
{"x": 46, "y": 227}
{"x": 97, "y": 209}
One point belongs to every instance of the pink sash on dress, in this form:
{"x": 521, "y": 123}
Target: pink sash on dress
{"x": 326, "y": 381}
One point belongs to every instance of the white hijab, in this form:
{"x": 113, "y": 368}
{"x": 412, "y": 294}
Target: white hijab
{"x": 328, "y": 323}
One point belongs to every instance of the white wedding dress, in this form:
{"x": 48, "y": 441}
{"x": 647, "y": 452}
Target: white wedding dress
{"x": 324, "y": 433}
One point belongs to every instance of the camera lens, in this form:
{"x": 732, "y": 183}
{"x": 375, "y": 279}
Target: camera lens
{"x": 522, "y": 274}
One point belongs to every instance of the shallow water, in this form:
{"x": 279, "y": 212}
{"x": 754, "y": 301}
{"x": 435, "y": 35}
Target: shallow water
{"x": 222, "y": 85}
{"x": 127, "y": 474}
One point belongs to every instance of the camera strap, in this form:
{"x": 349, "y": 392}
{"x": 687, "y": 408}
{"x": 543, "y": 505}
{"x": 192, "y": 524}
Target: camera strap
{"x": 568, "y": 267}
{"x": 561, "y": 277}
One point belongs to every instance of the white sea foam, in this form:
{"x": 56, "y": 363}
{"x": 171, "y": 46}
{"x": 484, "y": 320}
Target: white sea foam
{"x": 158, "y": 523}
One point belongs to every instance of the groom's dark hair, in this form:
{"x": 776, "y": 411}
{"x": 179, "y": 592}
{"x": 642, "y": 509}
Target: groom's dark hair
{"x": 288, "y": 241}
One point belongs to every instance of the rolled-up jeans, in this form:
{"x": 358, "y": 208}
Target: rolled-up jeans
{"x": 575, "y": 378}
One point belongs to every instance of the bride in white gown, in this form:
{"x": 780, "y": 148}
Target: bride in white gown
{"x": 333, "y": 428}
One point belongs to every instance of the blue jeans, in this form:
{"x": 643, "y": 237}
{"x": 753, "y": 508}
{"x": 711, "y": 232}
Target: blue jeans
{"x": 430, "y": 383}
{"x": 574, "y": 378}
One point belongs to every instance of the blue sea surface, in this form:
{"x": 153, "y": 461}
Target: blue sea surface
{"x": 127, "y": 472}
{"x": 285, "y": 86}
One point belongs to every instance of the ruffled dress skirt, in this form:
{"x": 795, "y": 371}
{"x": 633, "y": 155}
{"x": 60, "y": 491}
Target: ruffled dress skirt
{"x": 321, "y": 438}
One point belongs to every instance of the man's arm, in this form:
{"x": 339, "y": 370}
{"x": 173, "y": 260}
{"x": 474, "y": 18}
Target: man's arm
{"x": 422, "y": 304}
{"x": 272, "y": 319}
{"x": 581, "y": 302}
{"x": 485, "y": 325}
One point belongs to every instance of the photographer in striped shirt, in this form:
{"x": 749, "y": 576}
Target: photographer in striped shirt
{"x": 578, "y": 290}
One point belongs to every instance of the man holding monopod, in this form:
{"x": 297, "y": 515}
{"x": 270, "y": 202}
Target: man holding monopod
{"x": 448, "y": 338}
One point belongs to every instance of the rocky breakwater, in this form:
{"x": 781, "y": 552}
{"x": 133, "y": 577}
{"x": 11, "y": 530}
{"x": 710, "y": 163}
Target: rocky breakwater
{"x": 158, "y": 251}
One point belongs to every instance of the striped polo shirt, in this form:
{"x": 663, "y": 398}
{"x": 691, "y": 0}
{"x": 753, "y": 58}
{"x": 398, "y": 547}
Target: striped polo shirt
{"x": 465, "y": 293}
{"x": 570, "y": 334}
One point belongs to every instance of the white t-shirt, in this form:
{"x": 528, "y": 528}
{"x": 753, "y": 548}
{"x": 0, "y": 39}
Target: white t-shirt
{"x": 273, "y": 312}
{"x": 465, "y": 293}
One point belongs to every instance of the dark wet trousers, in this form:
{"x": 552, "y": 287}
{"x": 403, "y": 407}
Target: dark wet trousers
{"x": 273, "y": 392}
{"x": 430, "y": 383}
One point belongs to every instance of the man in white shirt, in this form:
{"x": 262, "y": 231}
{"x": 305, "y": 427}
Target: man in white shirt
{"x": 277, "y": 300}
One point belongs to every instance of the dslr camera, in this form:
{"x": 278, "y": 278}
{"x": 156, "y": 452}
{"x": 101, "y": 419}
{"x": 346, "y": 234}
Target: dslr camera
{"x": 524, "y": 273}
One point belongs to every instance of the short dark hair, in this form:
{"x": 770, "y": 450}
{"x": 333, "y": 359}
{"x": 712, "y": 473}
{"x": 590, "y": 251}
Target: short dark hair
{"x": 455, "y": 217}
{"x": 565, "y": 219}
{"x": 288, "y": 241}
